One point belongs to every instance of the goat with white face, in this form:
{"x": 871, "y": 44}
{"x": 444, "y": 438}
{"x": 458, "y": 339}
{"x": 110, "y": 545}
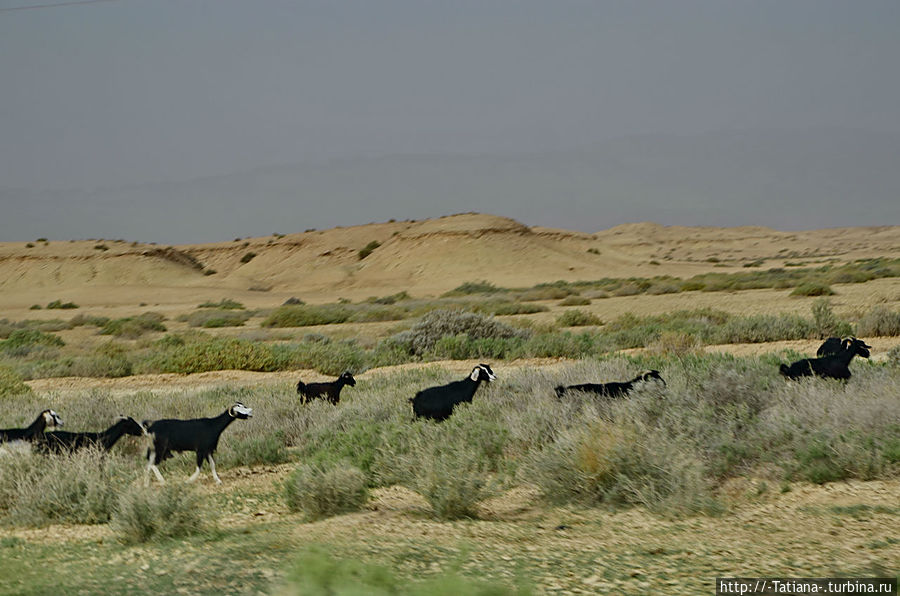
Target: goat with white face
{"x": 46, "y": 419}
{"x": 437, "y": 403}
{"x": 200, "y": 435}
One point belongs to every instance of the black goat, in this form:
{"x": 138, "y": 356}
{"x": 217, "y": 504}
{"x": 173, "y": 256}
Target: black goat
{"x": 330, "y": 392}
{"x": 58, "y": 441}
{"x": 47, "y": 418}
{"x": 200, "y": 435}
{"x": 832, "y": 345}
{"x": 832, "y": 366}
{"x": 610, "y": 389}
{"x": 437, "y": 403}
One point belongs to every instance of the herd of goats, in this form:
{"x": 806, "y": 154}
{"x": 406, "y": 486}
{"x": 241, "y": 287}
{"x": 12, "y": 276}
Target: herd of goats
{"x": 201, "y": 435}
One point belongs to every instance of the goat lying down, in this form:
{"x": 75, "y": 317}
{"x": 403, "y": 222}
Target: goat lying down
{"x": 832, "y": 366}
{"x": 614, "y": 389}
{"x": 200, "y": 435}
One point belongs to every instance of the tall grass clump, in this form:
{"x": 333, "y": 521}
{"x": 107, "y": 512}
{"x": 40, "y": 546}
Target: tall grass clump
{"x": 150, "y": 513}
{"x": 79, "y": 488}
{"x": 879, "y": 322}
{"x": 11, "y": 383}
{"x": 827, "y": 324}
{"x": 325, "y": 490}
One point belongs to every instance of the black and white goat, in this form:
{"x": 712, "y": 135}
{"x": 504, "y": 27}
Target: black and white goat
{"x": 46, "y": 419}
{"x": 614, "y": 389}
{"x": 437, "y": 403}
{"x": 330, "y": 392}
{"x": 832, "y": 366}
{"x": 58, "y": 441}
{"x": 200, "y": 435}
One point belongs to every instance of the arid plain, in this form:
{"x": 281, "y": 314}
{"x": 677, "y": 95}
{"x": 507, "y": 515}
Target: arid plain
{"x": 766, "y": 523}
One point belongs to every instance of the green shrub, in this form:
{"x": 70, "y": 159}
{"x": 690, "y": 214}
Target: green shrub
{"x": 211, "y": 354}
{"x": 474, "y": 287}
{"x": 307, "y": 315}
{"x": 321, "y": 491}
{"x": 248, "y": 257}
{"x": 62, "y": 305}
{"x": 223, "y": 304}
{"x": 577, "y": 318}
{"x": 35, "y": 307}
{"x": 813, "y": 289}
{"x": 21, "y": 342}
{"x": 826, "y": 322}
{"x": 329, "y": 358}
{"x": 11, "y": 383}
{"x": 134, "y": 327}
{"x": 367, "y": 249}
{"x": 150, "y": 513}
{"x": 79, "y": 320}
{"x": 879, "y": 322}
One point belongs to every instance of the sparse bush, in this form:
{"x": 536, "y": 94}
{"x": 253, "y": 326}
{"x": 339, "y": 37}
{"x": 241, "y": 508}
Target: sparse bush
{"x": 813, "y": 289}
{"x": 577, "y": 318}
{"x": 292, "y": 301}
{"x": 453, "y": 479}
{"x": 425, "y": 334}
{"x": 575, "y": 301}
{"x": 35, "y": 307}
{"x": 392, "y": 299}
{"x": 248, "y": 257}
{"x": 210, "y": 354}
{"x": 213, "y": 318}
{"x": 879, "y": 322}
{"x": 322, "y": 491}
{"x": 368, "y": 249}
{"x": 79, "y": 320}
{"x": 150, "y": 513}
{"x": 474, "y": 287}
{"x": 223, "y": 304}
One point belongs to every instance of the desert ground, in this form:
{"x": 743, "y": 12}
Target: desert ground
{"x": 767, "y": 526}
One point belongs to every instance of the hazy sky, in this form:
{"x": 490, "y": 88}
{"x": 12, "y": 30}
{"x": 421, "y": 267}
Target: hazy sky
{"x": 135, "y": 92}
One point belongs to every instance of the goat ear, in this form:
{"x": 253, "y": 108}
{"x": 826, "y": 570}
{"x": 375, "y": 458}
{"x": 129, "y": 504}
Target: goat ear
{"x": 475, "y": 373}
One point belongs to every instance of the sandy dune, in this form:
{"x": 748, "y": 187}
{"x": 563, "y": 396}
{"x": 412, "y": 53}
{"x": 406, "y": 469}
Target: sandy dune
{"x": 424, "y": 258}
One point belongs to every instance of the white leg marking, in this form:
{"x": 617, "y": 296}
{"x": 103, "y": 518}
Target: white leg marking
{"x": 212, "y": 466}
{"x": 158, "y": 475}
{"x": 194, "y": 475}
